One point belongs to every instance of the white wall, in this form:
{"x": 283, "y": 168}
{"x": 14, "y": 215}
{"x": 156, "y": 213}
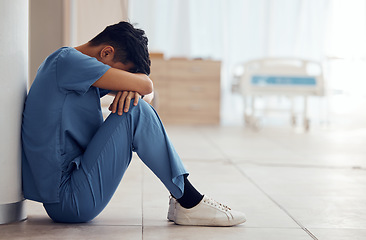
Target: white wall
{"x": 13, "y": 82}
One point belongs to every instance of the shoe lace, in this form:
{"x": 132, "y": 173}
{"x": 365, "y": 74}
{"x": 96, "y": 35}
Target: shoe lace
{"x": 216, "y": 204}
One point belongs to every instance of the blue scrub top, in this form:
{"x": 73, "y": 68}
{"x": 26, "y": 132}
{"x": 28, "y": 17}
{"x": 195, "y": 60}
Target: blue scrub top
{"x": 62, "y": 113}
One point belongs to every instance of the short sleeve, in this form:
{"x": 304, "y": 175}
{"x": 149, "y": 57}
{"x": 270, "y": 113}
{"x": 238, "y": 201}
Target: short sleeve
{"x": 77, "y": 71}
{"x": 103, "y": 92}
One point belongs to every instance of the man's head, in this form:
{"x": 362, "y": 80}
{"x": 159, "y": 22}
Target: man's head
{"x": 128, "y": 45}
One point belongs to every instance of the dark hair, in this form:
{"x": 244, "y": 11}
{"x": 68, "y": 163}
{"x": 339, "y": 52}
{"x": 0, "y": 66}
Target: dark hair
{"x": 130, "y": 45}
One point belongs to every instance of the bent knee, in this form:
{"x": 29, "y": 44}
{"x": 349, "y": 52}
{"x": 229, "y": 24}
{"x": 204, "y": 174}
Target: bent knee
{"x": 68, "y": 213}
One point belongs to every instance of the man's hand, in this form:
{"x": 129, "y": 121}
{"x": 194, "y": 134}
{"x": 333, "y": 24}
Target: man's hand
{"x": 122, "y": 100}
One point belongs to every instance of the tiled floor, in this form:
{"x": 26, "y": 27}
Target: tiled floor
{"x": 290, "y": 185}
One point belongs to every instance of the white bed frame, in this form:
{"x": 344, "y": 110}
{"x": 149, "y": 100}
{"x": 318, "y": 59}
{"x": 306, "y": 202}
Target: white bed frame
{"x": 280, "y": 77}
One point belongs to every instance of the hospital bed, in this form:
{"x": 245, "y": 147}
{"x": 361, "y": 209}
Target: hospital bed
{"x": 280, "y": 77}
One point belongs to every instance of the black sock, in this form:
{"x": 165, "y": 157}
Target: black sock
{"x": 191, "y": 197}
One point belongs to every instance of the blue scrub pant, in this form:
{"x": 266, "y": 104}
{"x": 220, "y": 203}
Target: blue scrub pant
{"x": 86, "y": 190}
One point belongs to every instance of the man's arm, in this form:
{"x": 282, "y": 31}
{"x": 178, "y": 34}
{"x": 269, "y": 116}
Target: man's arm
{"x": 118, "y": 80}
{"x": 121, "y": 102}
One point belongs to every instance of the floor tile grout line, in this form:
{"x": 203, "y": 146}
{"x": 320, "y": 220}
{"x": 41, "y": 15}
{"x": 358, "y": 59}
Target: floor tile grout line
{"x": 287, "y": 146}
{"x": 302, "y": 166}
{"x": 343, "y": 228}
{"x": 226, "y": 158}
{"x": 255, "y": 184}
{"x": 275, "y": 202}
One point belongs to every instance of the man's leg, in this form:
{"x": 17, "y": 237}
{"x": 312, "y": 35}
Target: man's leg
{"x": 86, "y": 191}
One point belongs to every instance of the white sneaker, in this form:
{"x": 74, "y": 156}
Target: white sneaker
{"x": 207, "y": 213}
{"x": 172, "y": 202}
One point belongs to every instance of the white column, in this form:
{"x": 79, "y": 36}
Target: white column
{"x": 13, "y": 86}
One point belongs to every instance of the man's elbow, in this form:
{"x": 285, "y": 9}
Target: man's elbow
{"x": 148, "y": 88}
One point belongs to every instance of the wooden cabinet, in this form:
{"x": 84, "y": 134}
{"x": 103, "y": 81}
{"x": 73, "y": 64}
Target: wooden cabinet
{"x": 187, "y": 91}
